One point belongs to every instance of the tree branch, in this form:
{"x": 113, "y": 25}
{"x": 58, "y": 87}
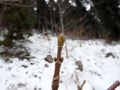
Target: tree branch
{"x": 16, "y": 4}
{"x": 114, "y": 85}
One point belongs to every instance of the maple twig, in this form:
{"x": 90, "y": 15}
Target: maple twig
{"x": 58, "y": 61}
{"x": 114, "y": 85}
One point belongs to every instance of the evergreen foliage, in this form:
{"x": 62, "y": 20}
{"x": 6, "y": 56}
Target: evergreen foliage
{"x": 20, "y": 20}
{"x": 108, "y": 12}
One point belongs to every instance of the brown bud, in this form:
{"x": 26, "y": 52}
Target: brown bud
{"x": 55, "y": 59}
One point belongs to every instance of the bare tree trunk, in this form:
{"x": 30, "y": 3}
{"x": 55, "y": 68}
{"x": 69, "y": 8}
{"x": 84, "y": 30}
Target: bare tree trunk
{"x": 1, "y": 15}
{"x": 62, "y": 27}
{"x": 51, "y": 20}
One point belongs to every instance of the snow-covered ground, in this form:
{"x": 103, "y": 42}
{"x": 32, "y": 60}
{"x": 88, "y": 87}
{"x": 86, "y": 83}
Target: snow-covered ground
{"x": 101, "y": 66}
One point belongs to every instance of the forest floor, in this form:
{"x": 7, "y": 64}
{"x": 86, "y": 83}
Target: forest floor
{"x": 94, "y": 61}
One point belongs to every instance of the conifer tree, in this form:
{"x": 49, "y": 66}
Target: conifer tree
{"x": 108, "y": 13}
{"x": 20, "y": 20}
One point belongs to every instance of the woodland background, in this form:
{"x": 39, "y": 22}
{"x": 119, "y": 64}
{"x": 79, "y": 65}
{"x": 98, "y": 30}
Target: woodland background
{"x": 23, "y": 17}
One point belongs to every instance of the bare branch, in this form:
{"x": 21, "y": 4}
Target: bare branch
{"x": 114, "y": 85}
{"x": 16, "y": 4}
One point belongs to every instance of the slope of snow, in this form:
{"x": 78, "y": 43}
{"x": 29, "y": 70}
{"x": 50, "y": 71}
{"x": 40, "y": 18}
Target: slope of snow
{"x": 99, "y": 71}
